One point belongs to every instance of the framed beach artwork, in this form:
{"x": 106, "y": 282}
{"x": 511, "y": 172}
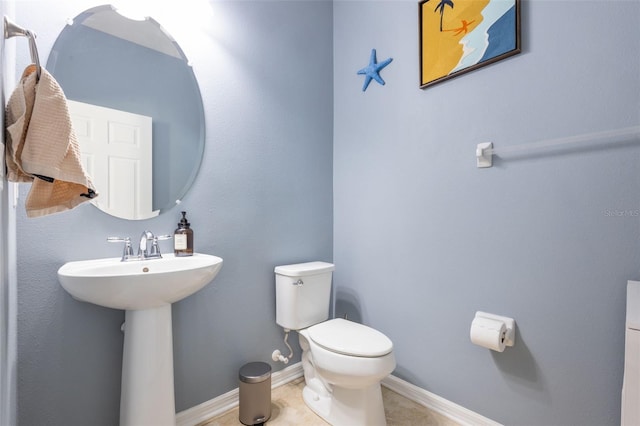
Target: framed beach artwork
{"x": 458, "y": 36}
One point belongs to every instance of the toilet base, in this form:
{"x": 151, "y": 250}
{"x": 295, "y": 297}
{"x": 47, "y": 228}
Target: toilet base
{"x": 348, "y": 407}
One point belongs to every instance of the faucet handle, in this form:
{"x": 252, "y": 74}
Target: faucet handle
{"x": 127, "y": 252}
{"x": 155, "y": 248}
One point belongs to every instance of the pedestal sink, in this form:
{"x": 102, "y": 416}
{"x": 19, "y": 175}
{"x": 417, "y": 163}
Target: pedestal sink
{"x": 145, "y": 289}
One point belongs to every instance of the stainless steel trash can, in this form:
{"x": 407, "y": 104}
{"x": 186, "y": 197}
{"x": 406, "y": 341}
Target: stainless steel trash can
{"x": 255, "y": 393}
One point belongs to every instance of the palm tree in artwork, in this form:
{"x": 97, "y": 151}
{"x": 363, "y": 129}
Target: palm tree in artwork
{"x": 441, "y": 6}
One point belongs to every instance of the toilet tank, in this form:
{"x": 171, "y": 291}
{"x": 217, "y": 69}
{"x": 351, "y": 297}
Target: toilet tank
{"x": 303, "y": 292}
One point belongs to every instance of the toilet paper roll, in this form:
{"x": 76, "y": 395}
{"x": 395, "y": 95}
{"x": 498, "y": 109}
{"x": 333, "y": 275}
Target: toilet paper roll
{"x": 488, "y": 333}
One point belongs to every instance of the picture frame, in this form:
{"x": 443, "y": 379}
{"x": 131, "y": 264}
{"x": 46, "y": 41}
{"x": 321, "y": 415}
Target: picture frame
{"x": 459, "y": 36}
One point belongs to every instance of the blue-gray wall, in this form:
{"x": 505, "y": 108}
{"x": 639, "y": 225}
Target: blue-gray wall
{"x": 423, "y": 239}
{"x": 263, "y": 198}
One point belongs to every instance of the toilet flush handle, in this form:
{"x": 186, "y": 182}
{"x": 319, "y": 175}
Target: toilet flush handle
{"x": 299, "y": 282}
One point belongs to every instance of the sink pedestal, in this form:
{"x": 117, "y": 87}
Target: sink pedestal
{"x": 147, "y": 395}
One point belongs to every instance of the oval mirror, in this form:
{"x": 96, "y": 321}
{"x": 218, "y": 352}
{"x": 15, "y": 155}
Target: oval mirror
{"x": 136, "y": 108}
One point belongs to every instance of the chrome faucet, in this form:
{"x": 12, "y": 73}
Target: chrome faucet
{"x": 146, "y": 252}
{"x": 147, "y": 249}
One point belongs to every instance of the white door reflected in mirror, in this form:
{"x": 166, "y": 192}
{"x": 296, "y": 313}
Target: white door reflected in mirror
{"x": 116, "y": 148}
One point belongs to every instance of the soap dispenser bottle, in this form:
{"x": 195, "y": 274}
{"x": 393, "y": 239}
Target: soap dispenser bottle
{"x": 183, "y": 238}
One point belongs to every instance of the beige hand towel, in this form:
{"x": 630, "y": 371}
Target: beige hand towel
{"x": 42, "y": 147}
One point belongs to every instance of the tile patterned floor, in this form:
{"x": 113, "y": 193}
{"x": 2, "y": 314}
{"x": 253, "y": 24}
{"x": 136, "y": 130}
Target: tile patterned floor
{"x": 288, "y": 409}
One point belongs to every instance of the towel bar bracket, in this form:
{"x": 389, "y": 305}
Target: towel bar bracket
{"x": 12, "y": 30}
{"x": 484, "y": 155}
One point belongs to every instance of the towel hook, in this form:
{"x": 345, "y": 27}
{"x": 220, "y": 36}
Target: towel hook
{"x": 12, "y": 30}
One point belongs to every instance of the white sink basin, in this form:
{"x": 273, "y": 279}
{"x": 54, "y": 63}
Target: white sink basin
{"x": 138, "y": 284}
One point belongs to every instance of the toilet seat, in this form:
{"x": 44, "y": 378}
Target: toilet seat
{"x": 350, "y": 338}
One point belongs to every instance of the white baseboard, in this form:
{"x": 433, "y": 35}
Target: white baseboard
{"x": 228, "y": 401}
{"x": 453, "y": 411}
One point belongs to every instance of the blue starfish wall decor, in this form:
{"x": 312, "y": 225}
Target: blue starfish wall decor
{"x": 372, "y": 71}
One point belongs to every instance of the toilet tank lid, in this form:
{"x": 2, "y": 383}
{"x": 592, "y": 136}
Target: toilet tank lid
{"x": 304, "y": 269}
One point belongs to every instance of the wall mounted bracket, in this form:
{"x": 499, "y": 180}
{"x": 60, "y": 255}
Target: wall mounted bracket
{"x": 484, "y": 155}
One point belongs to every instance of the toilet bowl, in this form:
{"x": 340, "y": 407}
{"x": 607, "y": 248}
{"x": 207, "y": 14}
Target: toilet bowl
{"x": 343, "y": 361}
{"x": 343, "y": 382}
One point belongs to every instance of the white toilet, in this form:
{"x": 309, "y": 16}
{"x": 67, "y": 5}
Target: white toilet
{"x": 343, "y": 361}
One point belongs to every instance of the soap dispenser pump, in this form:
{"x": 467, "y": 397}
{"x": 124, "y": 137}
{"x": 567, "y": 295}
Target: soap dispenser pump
{"x": 183, "y": 238}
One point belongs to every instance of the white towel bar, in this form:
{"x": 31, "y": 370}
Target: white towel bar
{"x": 485, "y": 151}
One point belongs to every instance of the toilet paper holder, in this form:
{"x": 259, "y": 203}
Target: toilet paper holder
{"x": 510, "y": 324}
